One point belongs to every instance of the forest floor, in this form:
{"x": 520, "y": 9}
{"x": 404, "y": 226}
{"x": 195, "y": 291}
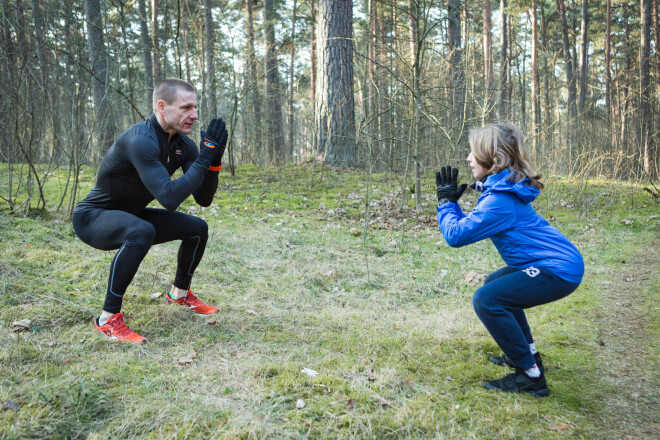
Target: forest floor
{"x": 319, "y": 269}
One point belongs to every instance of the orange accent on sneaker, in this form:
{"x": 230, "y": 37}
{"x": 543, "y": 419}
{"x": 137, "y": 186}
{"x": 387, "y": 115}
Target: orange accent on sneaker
{"x": 192, "y": 302}
{"x": 117, "y": 329}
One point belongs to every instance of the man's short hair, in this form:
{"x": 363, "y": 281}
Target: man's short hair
{"x": 167, "y": 90}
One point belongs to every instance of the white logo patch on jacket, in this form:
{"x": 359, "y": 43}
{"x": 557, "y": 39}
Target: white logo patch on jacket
{"x": 531, "y": 271}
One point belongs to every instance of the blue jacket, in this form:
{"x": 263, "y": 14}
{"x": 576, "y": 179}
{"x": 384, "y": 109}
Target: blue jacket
{"x": 522, "y": 237}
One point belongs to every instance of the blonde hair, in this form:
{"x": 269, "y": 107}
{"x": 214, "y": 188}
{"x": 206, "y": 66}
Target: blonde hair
{"x": 498, "y": 147}
{"x": 167, "y": 90}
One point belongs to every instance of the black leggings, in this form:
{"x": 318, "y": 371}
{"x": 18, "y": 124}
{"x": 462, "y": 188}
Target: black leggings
{"x": 134, "y": 235}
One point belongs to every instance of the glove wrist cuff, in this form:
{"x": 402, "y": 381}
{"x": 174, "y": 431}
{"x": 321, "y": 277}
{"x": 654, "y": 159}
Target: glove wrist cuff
{"x": 443, "y": 201}
{"x": 214, "y": 168}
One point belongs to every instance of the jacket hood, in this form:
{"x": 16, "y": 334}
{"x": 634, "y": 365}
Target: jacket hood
{"x": 500, "y": 182}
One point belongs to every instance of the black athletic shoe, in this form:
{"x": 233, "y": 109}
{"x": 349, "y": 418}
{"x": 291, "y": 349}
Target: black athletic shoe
{"x": 507, "y": 362}
{"x": 519, "y": 382}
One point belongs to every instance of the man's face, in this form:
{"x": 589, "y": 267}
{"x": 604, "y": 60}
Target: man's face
{"x": 181, "y": 113}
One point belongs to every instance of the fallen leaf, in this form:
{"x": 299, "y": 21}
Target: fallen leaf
{"x": 371, "y": 376}
{"x": 21, "y": 326}
{"x": 627, "y": 222}
{"x": 601, "y": 343}
{"x": 384, "y": 402}
{"x": 156, "y": 295}
{"x": 10, "y": 404}
{"x": 309, "y": 372}
{"x": 251, "y": 312}
{"x": 186, "y": 360}
{"x": 630, "y": 278}
{"x": 449, "y": 378}
{"x": 300, "y": 404}
{"x": 473, "y": 278}
{"x": 351, "y": 403}
{"x": 213, "y": 323}
{"x": 558, "y": 427}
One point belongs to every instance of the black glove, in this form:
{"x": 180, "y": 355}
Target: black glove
{"x": 446, "y": 182}
{"x": 215, "y": 140}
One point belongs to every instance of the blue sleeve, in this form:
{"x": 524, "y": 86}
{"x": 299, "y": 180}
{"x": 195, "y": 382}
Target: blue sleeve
{"x": 204, "y": 193}
{"x": 494, "y": 214}
{"x": 144, "y": 155}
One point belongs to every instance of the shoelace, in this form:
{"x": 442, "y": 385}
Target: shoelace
{"x": 120, "y": 326}
{"x": 192, "y": 300}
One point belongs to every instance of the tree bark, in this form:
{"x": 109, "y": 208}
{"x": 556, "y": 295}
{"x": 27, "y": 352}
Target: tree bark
{"x": 289, "y": 152}
{"x": 156, "y": 40}
{"x": 335, "y": 113}
{"x": 253, "y": 119}
{"x": 504, "y": 63}
{"x": 99, "y": 62}
{"x": 211, "y": 110}
{"x": 535, "y": 82}
{"x": 488, "y": 64}
{"x": 584, "y": 28}
{"x": 608, "y": 62}
{"x": 568, "y": 64}
{"x": 645, "y": 82}
{"x": 275, "y": 135}
{"x": 455, "y": 59}
{"x": 146, "y": 54}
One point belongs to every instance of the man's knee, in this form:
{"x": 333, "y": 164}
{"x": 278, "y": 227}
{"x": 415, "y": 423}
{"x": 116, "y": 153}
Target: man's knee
{"x": 142, "y": 235}
{"x": 199, "y": 227}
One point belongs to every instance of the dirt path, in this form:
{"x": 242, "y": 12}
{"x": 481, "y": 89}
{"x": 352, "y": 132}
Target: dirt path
{"x": 631, "y": 348}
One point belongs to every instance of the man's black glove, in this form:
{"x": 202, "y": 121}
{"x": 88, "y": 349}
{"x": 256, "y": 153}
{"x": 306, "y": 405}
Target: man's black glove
{"x": 446, "y": 181}
{"x": 214, "y": 141}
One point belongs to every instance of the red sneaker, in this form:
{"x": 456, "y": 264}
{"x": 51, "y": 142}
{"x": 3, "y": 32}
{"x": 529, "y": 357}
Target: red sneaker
{"x": 192, "y": 302}
{"x": 116, "y": 328}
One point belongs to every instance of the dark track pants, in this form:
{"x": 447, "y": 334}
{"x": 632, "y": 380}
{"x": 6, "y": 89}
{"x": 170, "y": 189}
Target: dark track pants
{"x": 501, "y": 301}
{"x": 134, "y": 235}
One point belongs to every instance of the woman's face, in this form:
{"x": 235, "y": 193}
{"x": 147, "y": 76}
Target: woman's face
{"x": 477, "y": 170}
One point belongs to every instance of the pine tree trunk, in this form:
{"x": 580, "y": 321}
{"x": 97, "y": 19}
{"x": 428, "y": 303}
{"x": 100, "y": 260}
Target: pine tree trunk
{"x": 335, "y": 113}
{"x": 99, "y": 62}
{"x": 583, "y": 55}
{"x": 146, "y": 54}
{"x": 645, "y": 83}
{"x": 504, "y": 62}
{"x": 289, "y": 152}
{"x": 489, "y": 102}
{"x": 211, "y": 111}
{"x": 275, "y": 135}
{"x": 535, "y": 82}
{"x": 156, "y": 40}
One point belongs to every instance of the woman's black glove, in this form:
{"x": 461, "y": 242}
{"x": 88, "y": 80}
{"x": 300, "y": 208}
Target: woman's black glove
{"x": 446, "y": 181}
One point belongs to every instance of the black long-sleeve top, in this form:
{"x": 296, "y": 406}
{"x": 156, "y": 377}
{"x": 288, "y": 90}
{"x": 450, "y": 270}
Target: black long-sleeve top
{"x": 138, "y": 169}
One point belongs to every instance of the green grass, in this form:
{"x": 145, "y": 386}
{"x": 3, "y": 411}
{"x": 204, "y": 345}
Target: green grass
{"x": 385, "y": 319}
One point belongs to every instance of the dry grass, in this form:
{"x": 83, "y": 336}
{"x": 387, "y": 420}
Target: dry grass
{"x": 386, "y": 320}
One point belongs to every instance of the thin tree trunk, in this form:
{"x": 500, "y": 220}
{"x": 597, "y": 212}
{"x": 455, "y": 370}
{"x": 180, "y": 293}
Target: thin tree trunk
{"x": 455, "y": 59}
{"x": 645, "y": 82}
{"x": 584, "y": 28}
{"x": 156, "y": 40}
{"x": 275, "y": 135}
{"x": 146, "y": 54}
{"x": 488, "y": 65}
{"x": 211, "y": 110}
{"x": 289, "y": 152}
{"x": 504, "y": 62}
{"x": 99, "y": 61}
{"x": 254, "y": 122}
{"x": 568, "y": 64}
{"x": 608, "y": 62}
{"x": 535, "y": 83}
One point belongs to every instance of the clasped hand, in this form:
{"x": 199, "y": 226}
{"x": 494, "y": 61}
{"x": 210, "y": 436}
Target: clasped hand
{"x": 215, "y": 139}
{"x": 446, "y": 181}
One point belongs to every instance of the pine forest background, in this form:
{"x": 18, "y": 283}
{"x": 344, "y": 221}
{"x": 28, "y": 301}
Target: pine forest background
{"x": 381, "y": 85}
